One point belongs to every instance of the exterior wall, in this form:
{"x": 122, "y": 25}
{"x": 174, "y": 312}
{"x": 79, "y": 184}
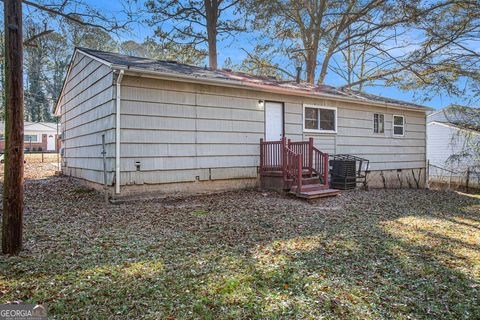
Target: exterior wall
{"x": 355, "y": 136}
{"x": 87, "y": 112}
{"x": 444, "y": 141}
{"x": 175, "y": 132}
{"x": 440, "y": 116}
{"x": 385, "y": 151}
{"x": 180, "y": 132}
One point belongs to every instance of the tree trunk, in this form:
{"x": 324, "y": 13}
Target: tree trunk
{"x": 311, "y": 66}
{"x": 324, "y": 70}
{"x": 211, "y": 7}
{"x": 13, "y": 174}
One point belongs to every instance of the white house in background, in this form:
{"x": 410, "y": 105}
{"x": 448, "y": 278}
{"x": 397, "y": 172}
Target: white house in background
{"x": 38, "y": 136}
{"x": 170, "y": 127}
{"x": 448, "y": 139}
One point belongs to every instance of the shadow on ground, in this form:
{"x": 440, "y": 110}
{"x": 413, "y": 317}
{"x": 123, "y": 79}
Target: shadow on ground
{"x": 378, "y": 254}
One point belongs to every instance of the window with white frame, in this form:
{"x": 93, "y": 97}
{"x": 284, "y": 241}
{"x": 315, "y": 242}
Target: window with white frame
{"x": 30, "y": 137}
{"x": 319, "y": 119}
{"x": 378, "y": 123}
{"x": 398, "y": 125}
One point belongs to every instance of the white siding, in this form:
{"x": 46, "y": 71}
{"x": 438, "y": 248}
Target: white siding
{"x": 181, "y": 132}
{"x": 355, "y": 136}
{"x": 87, "y": 112}
{"x": 187, "y": 132}
{"x": 443, "y": 142}
{"x": 385, "y": 151}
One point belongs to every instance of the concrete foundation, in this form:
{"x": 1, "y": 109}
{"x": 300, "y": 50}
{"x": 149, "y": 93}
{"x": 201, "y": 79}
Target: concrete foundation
{"x": 391, "y": 179}
{"x": 397, "y": 179}
{"x": 169, "y": 189}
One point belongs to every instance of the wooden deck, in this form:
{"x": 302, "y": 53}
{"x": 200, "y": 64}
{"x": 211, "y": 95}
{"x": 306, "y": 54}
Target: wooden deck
{"x": 295, "y": 166}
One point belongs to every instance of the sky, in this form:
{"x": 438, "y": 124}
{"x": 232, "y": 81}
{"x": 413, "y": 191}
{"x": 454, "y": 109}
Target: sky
{"x": 232, "y": 48}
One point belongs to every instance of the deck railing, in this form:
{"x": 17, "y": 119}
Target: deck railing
{"x": 304, "y": 148}
{"x": 292, "y": 167}
{"x": 320, "y": 164}
{"x": 293, "y": 160}
{"x": 271, "y": 155}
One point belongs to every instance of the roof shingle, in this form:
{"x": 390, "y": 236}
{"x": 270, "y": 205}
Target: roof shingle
{"x": 172, "y": 67}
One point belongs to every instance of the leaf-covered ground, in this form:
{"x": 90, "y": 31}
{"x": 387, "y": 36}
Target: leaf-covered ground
{"x": 398, "y": 254}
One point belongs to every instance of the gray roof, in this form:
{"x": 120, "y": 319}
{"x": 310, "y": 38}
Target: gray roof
{"x": 34, "y": 126}
{"x": 172, "y": 67}
{"x": 457, "y": 116}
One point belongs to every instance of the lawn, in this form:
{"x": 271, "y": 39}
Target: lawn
{"x": 397, "y": 254}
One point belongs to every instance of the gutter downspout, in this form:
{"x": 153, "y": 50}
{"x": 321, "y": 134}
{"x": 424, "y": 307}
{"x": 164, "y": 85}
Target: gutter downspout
{"x": 117, "y": 134}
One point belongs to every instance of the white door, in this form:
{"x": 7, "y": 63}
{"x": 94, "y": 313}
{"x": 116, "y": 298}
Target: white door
{"x": 51, "y": 142}
{"x": 273, "y": 121}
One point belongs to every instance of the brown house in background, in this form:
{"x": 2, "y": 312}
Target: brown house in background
{"x": 38, "y": 137}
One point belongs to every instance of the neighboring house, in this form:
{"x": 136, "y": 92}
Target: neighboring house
{"x": 38, "y": 136}
{"x": 187, "y": 128}
{"x": 450, "y": 138}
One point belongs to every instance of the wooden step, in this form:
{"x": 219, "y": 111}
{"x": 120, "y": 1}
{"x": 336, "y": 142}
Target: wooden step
{"x": 310, "y": 180}
{"x": 314, "y": 194}
{"x": 310, "y": 187}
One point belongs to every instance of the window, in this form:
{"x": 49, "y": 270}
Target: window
{"x": 2, "y": 137}
{"x": 398, "y": 125}
{"x": 320, "y": 119}
{"x": 30, "y": 137}
{"x": 378, "y": 123}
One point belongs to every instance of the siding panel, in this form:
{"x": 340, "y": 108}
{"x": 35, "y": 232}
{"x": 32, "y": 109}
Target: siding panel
{"x": 86, "y": 109}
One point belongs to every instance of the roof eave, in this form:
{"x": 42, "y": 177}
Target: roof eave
{"x": 75, "y": 52}
{"x": 139, "y": 72}
{"x": 452, "y": 126}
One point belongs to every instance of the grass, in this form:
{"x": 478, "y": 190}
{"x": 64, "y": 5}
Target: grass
{"x": 398, "y": 254}
{"x": 200, "y": 212}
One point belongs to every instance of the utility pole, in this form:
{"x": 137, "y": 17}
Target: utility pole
{"x": 13, "y": 175}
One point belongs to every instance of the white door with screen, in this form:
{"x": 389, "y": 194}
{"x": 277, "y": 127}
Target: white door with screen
{"x": 51, "y": 142}
{"x": 273, "y": 121}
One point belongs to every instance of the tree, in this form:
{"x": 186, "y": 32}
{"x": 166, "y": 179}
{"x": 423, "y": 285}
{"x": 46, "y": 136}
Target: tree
{"x": 36, "y": 101}
{"x": 260, "y": 63}
{"x": 57, "y": 64}
{"x": 14, "y": 109}
{"x": 447, "y": 42}
{"x": 79, "y": 35}
{"x": 411, "y": 44}
{"x": 303, "y": 28}
{"x": 2, "y": 75}
{"x": 194, "y": 23}
{"x": 163, "y": 50}
{"x": 466, "y": 141}
{"x": 12, "y": 227}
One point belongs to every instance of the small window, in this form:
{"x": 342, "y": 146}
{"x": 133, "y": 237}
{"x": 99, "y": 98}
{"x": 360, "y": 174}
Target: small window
{"x": 30, "y": 137}
{"x": 311, "y": 118}
{"x": 378, "y": 123}
{"x": 398, "y": 125}
{"x": 320, "y": 119}
{"x": 2, "y": 137}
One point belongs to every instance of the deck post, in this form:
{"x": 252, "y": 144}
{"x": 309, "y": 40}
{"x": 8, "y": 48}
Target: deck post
{"x": 468, "y": 180}
{"x": 283, "y": 154}
{"x": 310, "y": 156}
{"x": 261, "y": 156}
{"x": 300, "y": 172}
{"x": 325, "y": 169}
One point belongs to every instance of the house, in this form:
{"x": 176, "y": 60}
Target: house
{"x": 38, "y": 136}
{"x": 452, "y": 143}
{"x": 169, "y": 127}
